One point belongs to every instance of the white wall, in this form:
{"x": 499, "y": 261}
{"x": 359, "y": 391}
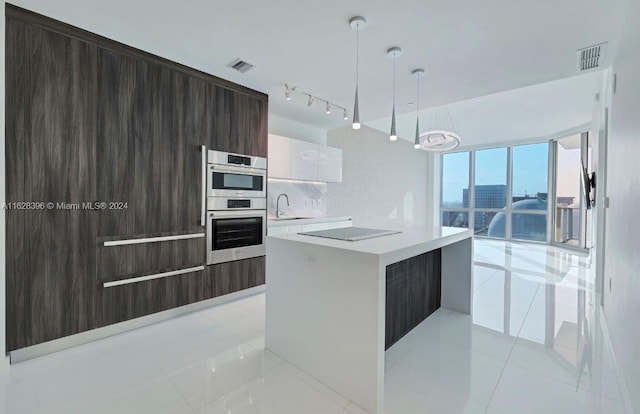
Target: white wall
{"x": 385, "y": 184}
{"x": 3, "y": 363}
{"x": 291, "y": 129}
{"x": 622, "y": 243}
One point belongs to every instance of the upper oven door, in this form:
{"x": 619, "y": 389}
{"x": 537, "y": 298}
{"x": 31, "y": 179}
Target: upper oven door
{"x": 229, "y": 181}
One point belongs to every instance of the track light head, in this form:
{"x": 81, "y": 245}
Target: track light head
{"x": 310, "y": 101}
{"x": 328, "y": 108}
{"x": 287, "y": 92}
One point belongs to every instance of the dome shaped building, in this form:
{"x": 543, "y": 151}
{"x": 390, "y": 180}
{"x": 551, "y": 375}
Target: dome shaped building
{"x": 523, "y": 225}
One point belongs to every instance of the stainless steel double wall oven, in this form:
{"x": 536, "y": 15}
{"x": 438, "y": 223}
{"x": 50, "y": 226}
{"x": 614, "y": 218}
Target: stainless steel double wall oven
{"x": 236, "y": 206}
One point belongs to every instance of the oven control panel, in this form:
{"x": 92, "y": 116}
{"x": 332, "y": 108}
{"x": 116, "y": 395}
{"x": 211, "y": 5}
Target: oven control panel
{"x": 238, "y": 203}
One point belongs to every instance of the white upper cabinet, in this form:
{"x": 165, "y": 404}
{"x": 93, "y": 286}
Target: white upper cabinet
{"x": 304, "y": 160}
{"x": 300, "y": 160}
{"x": 279, "y": 162}
{"x": 329, "y": 164}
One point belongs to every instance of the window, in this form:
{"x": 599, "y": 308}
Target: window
{"x": 506, "y": 196}
{"x": 529, "y": 192}
{"x": 491, "y": 179}
{"x": 455, "y": 180}
{"x": 455, "y": 184}
{"x": 490, "y": 191}
{"x": 530, "y": 168}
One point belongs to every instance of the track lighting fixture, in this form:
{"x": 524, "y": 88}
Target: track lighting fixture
{"x": 329, "y": 106}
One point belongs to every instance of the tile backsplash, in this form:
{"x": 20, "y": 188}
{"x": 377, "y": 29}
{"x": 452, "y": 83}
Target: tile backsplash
{"x": 306, "y": 199}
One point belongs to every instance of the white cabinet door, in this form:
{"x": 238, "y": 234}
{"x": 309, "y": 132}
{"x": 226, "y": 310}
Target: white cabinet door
{"x": 304, "y": 160}
{"x": 329, "y": 164}
{"x": 279, "y": 165}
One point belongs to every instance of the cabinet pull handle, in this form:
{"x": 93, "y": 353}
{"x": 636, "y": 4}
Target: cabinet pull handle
{"x": 151, "y": 277}
{"x": 203, "y": 206}
{"x": 153, "y": 239}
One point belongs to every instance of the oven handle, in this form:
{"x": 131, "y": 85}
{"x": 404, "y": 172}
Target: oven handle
{"x": 241, "y": 170}
{"x": 238, "y": 213}
{"x": 203, "y": 205}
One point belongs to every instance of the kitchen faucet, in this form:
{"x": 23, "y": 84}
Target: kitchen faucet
{"x": 278, "y": 204}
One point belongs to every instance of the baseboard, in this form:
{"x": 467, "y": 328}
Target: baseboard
{"x": 45, "y": 348}
{"x": 627, "y": 405}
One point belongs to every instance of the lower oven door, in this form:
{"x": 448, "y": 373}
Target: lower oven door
{"x": 235, "y": 235}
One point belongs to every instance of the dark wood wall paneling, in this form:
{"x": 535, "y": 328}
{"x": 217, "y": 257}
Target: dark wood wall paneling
{"x": 17, "y": 285}
{"x": 413, "y": 292}
{"x": 92, "y": 119}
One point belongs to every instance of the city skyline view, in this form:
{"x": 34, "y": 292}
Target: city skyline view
{"x": 491, "y": 169}
{"x": 529, "y": 190}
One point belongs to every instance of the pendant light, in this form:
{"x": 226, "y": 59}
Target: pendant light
{"x": 394, "y": 52}
{"x": 440, "y": 135}
{"x": 357, "y": 23}
{"x": 418, "y": 73}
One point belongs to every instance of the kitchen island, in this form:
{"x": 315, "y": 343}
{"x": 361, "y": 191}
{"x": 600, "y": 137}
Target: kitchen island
{"x": 334, "y": 306}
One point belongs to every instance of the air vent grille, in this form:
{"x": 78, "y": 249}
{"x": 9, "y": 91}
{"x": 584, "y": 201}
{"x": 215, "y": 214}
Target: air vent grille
{"x": 591, "y": 57}
{"x": 240, "y": 65}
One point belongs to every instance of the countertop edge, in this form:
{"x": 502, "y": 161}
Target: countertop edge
{"x": 394, "y": 256}
{"x": 386, "y": 255}
{"x": 301, "y": 222}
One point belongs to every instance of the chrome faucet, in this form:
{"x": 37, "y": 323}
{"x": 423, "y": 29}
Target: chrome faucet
{"x": 278, "y": 213}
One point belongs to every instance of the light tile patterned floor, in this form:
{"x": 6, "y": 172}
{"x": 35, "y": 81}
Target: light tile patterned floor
{"x": 533, "y": 345}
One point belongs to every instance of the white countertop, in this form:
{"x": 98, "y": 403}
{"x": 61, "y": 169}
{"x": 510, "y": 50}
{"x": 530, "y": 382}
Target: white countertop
{"x": 271, "y": 222}
{"x": 392, "y": 248}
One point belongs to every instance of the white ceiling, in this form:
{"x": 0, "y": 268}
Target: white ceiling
{"x": 521, "y": 114}
{"x": 469, "y": 48}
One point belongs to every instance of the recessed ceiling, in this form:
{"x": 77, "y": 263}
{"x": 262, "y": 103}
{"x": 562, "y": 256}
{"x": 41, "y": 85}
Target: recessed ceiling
{"x": 469, "y": 48}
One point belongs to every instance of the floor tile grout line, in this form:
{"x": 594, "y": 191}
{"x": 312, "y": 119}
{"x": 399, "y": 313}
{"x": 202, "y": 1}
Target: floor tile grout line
{"x": 510, "y": 352}
{"x": 488, "y": 279}
{"x": 500, "y": 377}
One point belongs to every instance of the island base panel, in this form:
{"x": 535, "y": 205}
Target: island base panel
{"x": 413, "y": 292}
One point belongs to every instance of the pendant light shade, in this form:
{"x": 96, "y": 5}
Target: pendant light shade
{"x": 392, "y": 135}
{"x": 356, "y": 113}
{"x": 394, "y": 52}
{"x": 418, "y": 73}
{"x": 357, "y": 23}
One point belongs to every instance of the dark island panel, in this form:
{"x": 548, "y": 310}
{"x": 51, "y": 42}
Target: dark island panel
{"x": 413, "y": 293}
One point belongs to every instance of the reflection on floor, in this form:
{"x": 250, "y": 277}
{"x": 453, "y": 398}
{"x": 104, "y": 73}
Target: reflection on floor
{"x": 533, "y": 345}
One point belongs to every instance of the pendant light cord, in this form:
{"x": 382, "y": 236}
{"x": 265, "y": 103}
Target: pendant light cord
{"x": 418, "y": 103}
{"x": 394, "y": 80}
{"x": 357, "y": 51}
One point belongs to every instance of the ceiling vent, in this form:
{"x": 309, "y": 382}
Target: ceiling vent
{"x": 240, "y": 65}
{"x": 591, "y": 57}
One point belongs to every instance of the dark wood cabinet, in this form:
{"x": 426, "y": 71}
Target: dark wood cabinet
{"x": 230, "y": 277}
{"x": 54, "y": 285}
{"x": 18, "y": 284}
{"x": 150, "y": 127}
{"x": 239, "y": 124}
{"x": 92, "y": 120}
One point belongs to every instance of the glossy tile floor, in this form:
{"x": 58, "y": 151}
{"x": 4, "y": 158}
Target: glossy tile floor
{"x": 533, "y": 345}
